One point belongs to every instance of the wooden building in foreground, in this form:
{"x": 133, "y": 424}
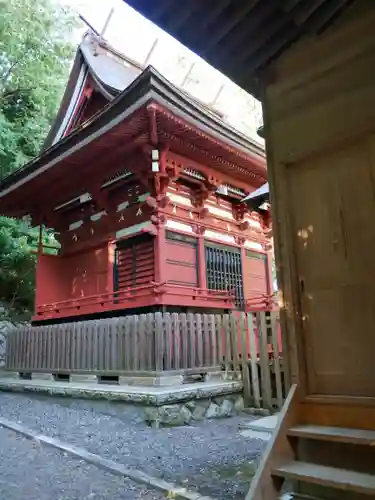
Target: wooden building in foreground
{"x": 144, "y": 187}
{"x": 311, "y": 63}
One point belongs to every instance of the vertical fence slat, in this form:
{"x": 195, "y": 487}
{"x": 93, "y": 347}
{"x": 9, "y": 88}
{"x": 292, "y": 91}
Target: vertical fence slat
{"x": 227, "y": 342}
{"x": 135, "y": 342}
{"x": 244, "y": 360}
{"x": 176, "y": 341}
{"x": 206, "y": 359}
{"x": 277, "y": 365}
{"x": 101, "y": 331}
{"x": 213, "y": 341}
{"x": 234, "y": 342}
{"x": 184, "y": 340}
{"x": 142, "y": 342}
{"x": 219, "y": 340}
{"x": 159, "y": 342}
{"x": 200, "y": 339}
{"x": 150, "y": 340}
{"x": 253, "y": 361}
{"x": 265, "y": 375}
{"x": 168, "y": 341}
{"x": 127, "y": 342}
{"x": 192, "y": 340}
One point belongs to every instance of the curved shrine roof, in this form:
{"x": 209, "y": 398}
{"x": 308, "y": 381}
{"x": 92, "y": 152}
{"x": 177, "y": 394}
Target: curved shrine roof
{"x": 190, "y": 127}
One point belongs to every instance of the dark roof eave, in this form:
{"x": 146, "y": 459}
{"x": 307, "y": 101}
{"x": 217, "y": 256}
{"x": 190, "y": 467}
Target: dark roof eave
{"x": 242, "y": 39}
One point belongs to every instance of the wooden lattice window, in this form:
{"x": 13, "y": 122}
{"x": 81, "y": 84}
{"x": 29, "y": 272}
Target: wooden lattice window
{"x": 224, "y": 270}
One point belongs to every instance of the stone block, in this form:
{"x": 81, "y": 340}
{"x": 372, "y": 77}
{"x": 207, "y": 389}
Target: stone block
{"x": 199, "y": 413}
{"x": 172, "y": 415}
{"x": 43, "y": 376}
{"x": 226, "y": 408}
{"x": 191, "y": 405}
{"x": 213, "y": 411}
{"x": 77, "y": 378}
{"x": 169, "y": 380}
{"x": 239, "y": 404}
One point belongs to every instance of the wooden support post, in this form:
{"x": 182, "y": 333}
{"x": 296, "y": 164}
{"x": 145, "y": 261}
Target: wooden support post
{"x": 159, "y": 247}
{"x": 110, "y": 268}
{"x": 201, "y": 257}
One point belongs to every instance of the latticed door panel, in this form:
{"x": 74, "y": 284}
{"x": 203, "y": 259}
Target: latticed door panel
{"x": 134, "y": 263}
{"x": 224, "y": 270}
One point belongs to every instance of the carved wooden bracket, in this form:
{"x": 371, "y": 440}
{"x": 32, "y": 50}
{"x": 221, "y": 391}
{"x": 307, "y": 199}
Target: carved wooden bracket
{"x": 239, "y": 211}
{"x": 244, "y": 225}
{"x": 240, "y": 240}
{"x": 199, "y": 229}
{"x": 158, "y": 219}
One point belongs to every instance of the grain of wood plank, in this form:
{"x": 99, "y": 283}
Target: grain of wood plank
{"x": 277, "y": 364}
{"x": 200, "y": 339}
{"x": 59, "y": 347}
{"x": 159, "y": 341}
{"x": 244, "y": 360}
{"x": 115, "y": 352}
{"x": 213, "y": 340}
{"x": 176, "y": 341}
{"x": 227, "y": 342}
{"x": 265, "y": 375}
{"x": 128, "y": 343}
{"x": 142, "y": 342}
{"x": 253, "y": 361}
{"x": 135, "y": 342}
{"x": 192, "y": 339}
{"x": 234, "y": 342}
{"x": 168, "y": 341}
{"x": 327, "y": 476}
{"x": 184, "y": 342}
{"x": 218, "y": 333}
{"x": 207, "y": 342}
{"x": 54, "y": 347}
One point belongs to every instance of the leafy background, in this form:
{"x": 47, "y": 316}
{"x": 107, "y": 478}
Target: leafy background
{"x": 35, "y": 58}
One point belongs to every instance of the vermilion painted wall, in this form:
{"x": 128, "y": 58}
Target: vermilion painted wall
{"x": 60, "y": 278}
{"x": 50, "y": 282}
{"x": 180, "y": 263}
{"x": 255, "y": 274}
{"x": 86, "y": 273}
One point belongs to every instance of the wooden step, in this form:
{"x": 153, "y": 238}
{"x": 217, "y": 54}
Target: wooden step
{"x": 327, "y": 476}
{"x": 335, "y": 434}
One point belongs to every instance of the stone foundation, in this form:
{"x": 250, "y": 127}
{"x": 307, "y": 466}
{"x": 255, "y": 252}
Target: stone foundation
{"x": 194, "y": 410}
{"x": 167, "y": 405}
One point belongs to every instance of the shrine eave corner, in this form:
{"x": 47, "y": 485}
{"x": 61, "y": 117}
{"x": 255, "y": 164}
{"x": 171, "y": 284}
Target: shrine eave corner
{"x": 124, "y": 122}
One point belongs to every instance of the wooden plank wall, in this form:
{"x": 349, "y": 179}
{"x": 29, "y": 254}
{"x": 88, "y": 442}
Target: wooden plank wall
{"x": 319, "y": 117}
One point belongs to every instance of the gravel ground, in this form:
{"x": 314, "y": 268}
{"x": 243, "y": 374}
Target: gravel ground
{"x": 30, "y": 471}
{"x": 210, "y": 456}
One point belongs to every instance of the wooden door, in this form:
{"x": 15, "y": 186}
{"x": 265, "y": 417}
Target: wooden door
{"x": 332, "y": 211}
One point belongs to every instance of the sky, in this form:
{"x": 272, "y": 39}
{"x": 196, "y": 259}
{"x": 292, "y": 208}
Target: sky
{"x": 133, "y": 35}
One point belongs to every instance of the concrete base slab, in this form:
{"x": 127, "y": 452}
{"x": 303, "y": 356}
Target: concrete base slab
{"x": 145, "y": 395}
{"x": 262, "y": 428}
{"x": 152, "y": 381}
{"x": 265, "y": 424}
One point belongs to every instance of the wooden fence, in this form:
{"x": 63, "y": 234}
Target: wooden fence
{"x": 239, "y": 344}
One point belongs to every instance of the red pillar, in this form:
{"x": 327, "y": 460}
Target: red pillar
{"x": 159, "y": 247}
{"x": 111, "y": 261}
{"x": 201, "y": 257}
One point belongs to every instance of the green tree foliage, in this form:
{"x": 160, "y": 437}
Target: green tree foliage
{"x": 35, "y": 55}
{"x": 18, "y": 245}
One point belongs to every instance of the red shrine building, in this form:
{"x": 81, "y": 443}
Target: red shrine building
{"x": 144, "y": 186}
